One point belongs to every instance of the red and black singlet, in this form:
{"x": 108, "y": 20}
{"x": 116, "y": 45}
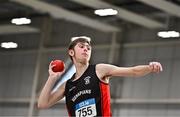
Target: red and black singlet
{"x": 87, "y": 96}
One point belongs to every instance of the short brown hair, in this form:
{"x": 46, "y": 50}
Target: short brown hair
{"x": 76, "y": 40}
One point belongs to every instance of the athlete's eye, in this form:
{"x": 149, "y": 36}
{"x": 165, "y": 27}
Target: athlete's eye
{"x": 88, "y": 48}
{"x": 81, "y": 46}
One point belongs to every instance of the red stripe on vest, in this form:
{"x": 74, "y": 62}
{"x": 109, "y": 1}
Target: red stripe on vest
{"x": 68, "y": 112}
{"x": 105, "y": 100}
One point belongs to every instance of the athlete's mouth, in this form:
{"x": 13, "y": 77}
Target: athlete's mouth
{"x": 84, "y": 54}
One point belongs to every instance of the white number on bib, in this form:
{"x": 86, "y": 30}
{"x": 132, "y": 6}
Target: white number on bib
{"x": 86, "y": 108}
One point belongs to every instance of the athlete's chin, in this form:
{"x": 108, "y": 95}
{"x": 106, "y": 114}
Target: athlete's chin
{"x": 85, "y": 58}
{"x": 84, "y": 61}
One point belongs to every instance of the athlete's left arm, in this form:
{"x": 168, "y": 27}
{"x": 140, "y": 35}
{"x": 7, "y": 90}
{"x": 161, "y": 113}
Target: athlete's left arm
{"x": 107, "y": 70}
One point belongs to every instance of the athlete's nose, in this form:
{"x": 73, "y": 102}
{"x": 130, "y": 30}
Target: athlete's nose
{"x": 85, "y": 49}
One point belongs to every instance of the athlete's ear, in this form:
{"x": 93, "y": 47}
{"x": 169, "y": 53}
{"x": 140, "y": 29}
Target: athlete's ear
{"x": 71, "y": 52}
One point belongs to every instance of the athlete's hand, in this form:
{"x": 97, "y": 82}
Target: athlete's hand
{"x": 155, "y": 67}
{"x": 52, "y": 74}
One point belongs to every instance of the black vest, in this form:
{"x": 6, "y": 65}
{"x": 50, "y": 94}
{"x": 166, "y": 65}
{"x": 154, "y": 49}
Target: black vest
{"x": 87, "y": 96}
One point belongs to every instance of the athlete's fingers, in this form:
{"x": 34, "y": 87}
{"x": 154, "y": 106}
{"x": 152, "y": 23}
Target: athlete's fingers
{"x": 151, "y": 66}
{"x": 50, "y": 67}
{"x": 155, "y": 66}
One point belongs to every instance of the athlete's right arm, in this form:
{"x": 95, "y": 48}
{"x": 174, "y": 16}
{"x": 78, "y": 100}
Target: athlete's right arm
{"x": 48, "y": 98}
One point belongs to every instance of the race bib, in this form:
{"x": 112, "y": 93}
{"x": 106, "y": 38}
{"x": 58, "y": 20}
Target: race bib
{"x": 86, "y": 108}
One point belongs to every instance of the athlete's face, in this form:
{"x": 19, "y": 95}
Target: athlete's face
{"x": 82, "y": 52}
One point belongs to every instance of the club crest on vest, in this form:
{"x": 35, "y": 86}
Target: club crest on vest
{"x": 87, "y": 80}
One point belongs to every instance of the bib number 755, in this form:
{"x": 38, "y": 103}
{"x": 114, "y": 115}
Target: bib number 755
{"x": 86, "y": 108}
{"x": 84, "y": 112}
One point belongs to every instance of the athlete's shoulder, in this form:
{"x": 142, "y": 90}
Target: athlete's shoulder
{"x": 101, "y": 66}
{"x": 102, "y": 72}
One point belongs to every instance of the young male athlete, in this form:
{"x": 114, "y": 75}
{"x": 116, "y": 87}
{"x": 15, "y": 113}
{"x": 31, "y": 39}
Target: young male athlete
{"x": 87, "y": 93}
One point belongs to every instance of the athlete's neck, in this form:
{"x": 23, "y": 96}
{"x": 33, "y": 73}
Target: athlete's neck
{"x": 80, "y": 69}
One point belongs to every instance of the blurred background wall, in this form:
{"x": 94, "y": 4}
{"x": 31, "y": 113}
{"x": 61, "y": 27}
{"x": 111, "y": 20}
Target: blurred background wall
{"x": 126, "y": 39}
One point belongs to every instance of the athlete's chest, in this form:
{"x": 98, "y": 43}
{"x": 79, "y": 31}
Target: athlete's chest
{"x": 83, "y": 96}
{"x": 85, "y": 84}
